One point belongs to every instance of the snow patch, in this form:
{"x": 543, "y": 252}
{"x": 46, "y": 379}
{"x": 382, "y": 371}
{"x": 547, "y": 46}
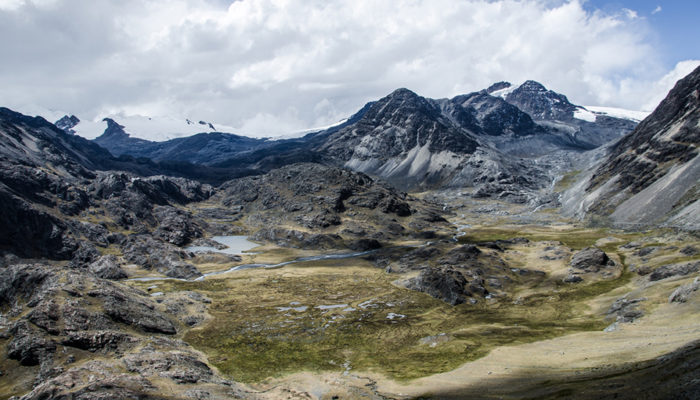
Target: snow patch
{"x": 503, "y": 93}
{"x": 150, "y": 128}
{"x": 636, "y": 116}
{"x": 584, "y": 115}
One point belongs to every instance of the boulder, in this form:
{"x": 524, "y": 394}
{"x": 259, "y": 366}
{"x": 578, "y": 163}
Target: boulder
{"x": 591, "y": 259}
{"x": 683, "y": 293}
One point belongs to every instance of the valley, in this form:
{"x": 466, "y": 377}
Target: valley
{"x": 492, "y": 245}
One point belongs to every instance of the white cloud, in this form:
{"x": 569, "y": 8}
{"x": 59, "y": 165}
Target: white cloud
{"x": 659, "y": 89}
{"x": 657, "y": 10}
{"x": 276, "y": 66}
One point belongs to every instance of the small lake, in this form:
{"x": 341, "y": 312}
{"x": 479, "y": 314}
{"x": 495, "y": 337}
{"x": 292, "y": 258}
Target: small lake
{"x": 235, "y": 245}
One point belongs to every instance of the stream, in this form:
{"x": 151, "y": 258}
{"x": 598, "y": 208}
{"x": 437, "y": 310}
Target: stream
{"x": 240, "y": 244}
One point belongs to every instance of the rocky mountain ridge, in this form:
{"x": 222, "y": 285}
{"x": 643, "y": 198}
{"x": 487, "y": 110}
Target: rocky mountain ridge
{"x": 651, "y": 175}
{"x": 412, "y": 141}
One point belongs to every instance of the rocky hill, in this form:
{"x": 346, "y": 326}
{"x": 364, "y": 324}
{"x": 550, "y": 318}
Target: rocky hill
{"x": 314, "y": 206}
{"x": 651, "y": 175}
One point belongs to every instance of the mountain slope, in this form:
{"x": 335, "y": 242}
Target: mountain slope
{"x": 651, "y": 175}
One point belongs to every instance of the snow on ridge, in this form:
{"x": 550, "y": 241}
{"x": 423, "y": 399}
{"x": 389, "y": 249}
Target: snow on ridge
{"x": 636, "y": 116}
{"x": 503, "y": 93}
{"x": 150, "y": 128}
{"x": 583, "y": 114}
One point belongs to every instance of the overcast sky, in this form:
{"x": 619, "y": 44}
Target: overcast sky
{"x": 271, "y": 67}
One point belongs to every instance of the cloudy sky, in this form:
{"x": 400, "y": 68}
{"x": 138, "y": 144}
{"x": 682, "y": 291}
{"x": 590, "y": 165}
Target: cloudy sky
{"x": 272, "y": 67}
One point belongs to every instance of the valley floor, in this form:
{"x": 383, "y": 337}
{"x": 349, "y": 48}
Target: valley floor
{"x": 347, "y": 329}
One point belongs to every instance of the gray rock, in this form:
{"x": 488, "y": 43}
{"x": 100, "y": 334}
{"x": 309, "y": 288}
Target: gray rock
{"x": 97, "y": 340}
{"x": 28, "y": 345}
{"x": 689, "y": 251}
{"x": 179, "y": 367}
{"x": 132, "y": 308}
{"x": 591, "y": 259}
{"x": 625, "y": 310}
{"x": 448, "y": 284}
{"x": 571, "y": 278}
{"x": 94, "y": 380}
{"x": 683, "y": 293}
{"x": 671, "y": 270}
{"x": 165, "y": 258}
{"x": 175, "y": 226}
{"x": 107, "y": 267}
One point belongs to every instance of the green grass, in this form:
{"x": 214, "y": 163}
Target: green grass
{"x": 566, "y": 181}
{"x": 576, "y": 238}
{"x": 250, "y": 340}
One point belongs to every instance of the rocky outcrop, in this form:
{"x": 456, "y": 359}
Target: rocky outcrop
{"x": 450, "y": 284}
{"x": 591, "y": 259}
{"x": 152, "y": 254}
{"x": 107, "y": 267}
{"x": 672, "y": 270}
{"x": 684, "y": 292}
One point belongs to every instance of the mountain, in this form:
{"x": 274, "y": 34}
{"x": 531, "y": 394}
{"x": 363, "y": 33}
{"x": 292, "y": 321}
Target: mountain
{"x": 478, "y": 140}
{"x": 490, "y": 141}
{"x": 651, "y": 175}
{"x": 202, "y": 148}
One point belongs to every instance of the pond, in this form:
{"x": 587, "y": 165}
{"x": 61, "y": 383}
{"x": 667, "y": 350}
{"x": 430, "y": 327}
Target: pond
{"x": 235, "y": 245}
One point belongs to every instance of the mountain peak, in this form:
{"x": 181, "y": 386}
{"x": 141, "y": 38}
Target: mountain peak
{"x": 532, "y": 86}
{"x": 498, "y": 86}
{"x": 114, "y": 130}
{"x": 67, "y": 123}
{"x": 541, "y": 103}
{"x": 402, "y": 93}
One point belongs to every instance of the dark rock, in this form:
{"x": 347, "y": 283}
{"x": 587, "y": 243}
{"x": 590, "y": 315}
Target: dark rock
{"x": 571, "y": 278}
{"x": 364, "y": 244}
{"x": 689, "y": 251}
{"x": 591, "y": 259}
{"x": 645, "y": 251}
{"x": 107, "y": 267}
{"x": 175, "y": 226}
{"x": 97, "y": 340}
{"x": 22, "y": 281}
{"x": 28, "y": 346}
{"x": 179, "y": 367}
{"x": 131, "y": 308}
{"x": 461, "y": 254}
{"x": 293, "y": 238}
{"x": 446, "y": 284}
{"x": 165, "y": 258}
{"x": 670, "y": 270}
{"x": 86, "y": 254}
